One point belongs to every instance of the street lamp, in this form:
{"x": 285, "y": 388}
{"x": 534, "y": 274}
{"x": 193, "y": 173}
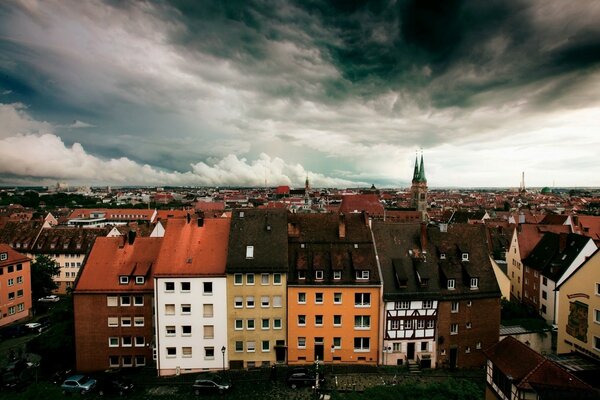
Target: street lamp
{"x": 223, "y": 352}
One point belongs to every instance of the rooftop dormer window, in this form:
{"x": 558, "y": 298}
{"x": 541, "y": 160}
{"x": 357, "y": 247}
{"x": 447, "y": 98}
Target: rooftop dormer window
{"x": 474, "y": 283}
{"x": 319, "y": 274}
{"x": 249, "y": 251}
{"x": 442, "y": 256}
{"x": 301, "y": 275}
{"x": 3, "y": 256}
{"x": 362, "y": 274}
{"x": 451, "y": 284}
{"x": 123, "y": 280}
{"x": 465, "y": 256}
{"x": 139, "y": 280}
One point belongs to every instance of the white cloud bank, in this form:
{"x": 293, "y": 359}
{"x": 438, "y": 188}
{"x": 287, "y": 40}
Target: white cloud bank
{"x": 29, "y": 148}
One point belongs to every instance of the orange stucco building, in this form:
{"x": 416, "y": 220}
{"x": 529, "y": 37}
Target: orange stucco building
{"x": 15, "y": 285}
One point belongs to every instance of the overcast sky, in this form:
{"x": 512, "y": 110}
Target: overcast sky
{"x": 239, "y": 92}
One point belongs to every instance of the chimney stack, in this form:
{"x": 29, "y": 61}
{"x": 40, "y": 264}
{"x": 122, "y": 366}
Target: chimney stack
{"x": 131, "y": 237}
{"x": 423, "y": 238}
{"x": 342, "y": 226}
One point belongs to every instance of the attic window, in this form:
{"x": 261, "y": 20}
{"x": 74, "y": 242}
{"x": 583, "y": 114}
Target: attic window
{"x": 362, "y": 274}
{"x": 123, "y": 280}
{"x": 424, "y": 282}
{"x": 337, "y": 275}
{"x": 465, "y": 256}
{"x": 450, "y": 284}
{"x": 442, "y": 256}
{"x": 319, "y": 274}
{"x": 301, "y": 245}
{"x": 3, "y": 256}
{"x": 474, "y": 283}
{"x": 249, "y": 251}
{"x": 66, "y": 245}
{"x": 139, "y": 280}
{"x": 403, "y": 283}
{"x": 356, "y": 245}
{"x": 301, "y": 275}
{"x": 241, "y": 214}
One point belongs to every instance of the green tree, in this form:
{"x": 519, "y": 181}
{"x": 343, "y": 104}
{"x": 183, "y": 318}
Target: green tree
{"x": 43, "y": 270}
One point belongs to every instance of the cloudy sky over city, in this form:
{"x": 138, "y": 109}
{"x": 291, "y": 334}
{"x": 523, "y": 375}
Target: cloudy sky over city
{"x": 242, "y": 92}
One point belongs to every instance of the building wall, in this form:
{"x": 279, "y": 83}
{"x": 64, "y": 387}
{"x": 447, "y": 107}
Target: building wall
{"x": 515, "y": 268}
{"x": 583, "y": 291}
{"x": 70, "y": 265}
{"x": 531, "y": 288}
{"x": 397, "y": 341}
{"x": 541, "y": 342}
{"x": 15, "y": 292}
{"x": 92, "y": 331}
{"x": 469, "y": 343}
{"x": 346, "y": 331}
{"x": 196, "y": 350}
{"x": 502, "y": 278}
{"x": 241, "y": 354}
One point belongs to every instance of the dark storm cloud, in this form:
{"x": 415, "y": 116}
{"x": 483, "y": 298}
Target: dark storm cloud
{"x": 348, "y": 86}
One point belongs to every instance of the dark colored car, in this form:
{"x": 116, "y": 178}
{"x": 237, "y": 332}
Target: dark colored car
{"x": 304, "y": 377}
{"x": 114, "y": 386}
{"x": 210, "y": 384}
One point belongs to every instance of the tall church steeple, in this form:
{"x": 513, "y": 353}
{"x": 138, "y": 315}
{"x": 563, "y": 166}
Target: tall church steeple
{"x": 419, "y": 188}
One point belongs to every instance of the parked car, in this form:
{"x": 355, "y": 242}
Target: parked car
{"x": 78, "y": 384}
{"x": 59, "y": 376}
{"x": 13, "y": 331}
{"x": 114, "y": 386}
{"x": 49, "y": 299}
{"x": 303, "y": 377}
{"x": 211, "y": 383}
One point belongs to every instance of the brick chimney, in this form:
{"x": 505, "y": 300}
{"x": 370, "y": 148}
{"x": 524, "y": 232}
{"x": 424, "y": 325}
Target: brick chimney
{"x": 423, "y": 237}
{"x": 342, "y": 226}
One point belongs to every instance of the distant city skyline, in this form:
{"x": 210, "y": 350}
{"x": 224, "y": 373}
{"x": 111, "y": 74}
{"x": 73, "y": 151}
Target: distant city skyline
{"x": 243, "y": 93}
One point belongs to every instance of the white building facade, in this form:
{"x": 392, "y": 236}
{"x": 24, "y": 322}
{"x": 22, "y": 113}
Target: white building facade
{"x": 190, "y": 324}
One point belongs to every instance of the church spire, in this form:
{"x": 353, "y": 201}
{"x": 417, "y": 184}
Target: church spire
{"x": 421, "y": 177}
{"x": 416, "y": 173}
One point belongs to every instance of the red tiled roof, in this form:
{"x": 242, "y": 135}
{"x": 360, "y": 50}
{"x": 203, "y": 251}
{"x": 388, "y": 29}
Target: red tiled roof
{"x": 282, "y": 190}
{"x": 503, "y": 354}
{"x": 13, "y": 256}
{"x": 164, "y": 214}
{"x": 362, "y": 202}
{"x": 210, "y": 205}
{"x": 188, "y": 249}
{"x": 529, "y": 235}
{"x": 114, "y": 256}
{"x": 547, "y": 373}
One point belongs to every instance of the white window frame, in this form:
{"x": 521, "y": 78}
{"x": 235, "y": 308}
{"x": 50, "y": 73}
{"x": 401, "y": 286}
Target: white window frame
{"x": 113, "y": 341}
{"x": 262, "y": 279}
{"x": 123, "y": 280}
{"x": 454, "y": 329}
{"x": 249, "y": 252}
{"x": 277, "y": 279}
{"x": 250, "y": 279}
{"x": 319, "y": 274}
{"x": 362, "y": 274}
{"x": 301, "y": 297}
{"x": 317, "y": 297}
{"x": 337, "y": 298}
{"x": 337, "y": 275}
{"x": 277, "y": 323}
{"x": 140, "y": 280}
{"x": 451, "y": 284}
{"x": 238, "y": 279}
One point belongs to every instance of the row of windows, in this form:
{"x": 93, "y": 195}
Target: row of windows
{"x": 126, "y": 341}
{"x": 125, "y": 301}
{"x": 467, "y": 349}
{"x": 265, "y": 279}
{"x": 70, "y": 274}
{"x": 400, "y": 324}
{"x": 360, "y": 321}
{"x": 265, "y": 323}
{"x": 208, "y": 331}
{"x": 337, "y": 275}
{"x": 139, "y": 280}
{"x": 11, "y": 295}
{"x": 250, "y": 347}
{"x": 72, "y": 264}
{"x": 360, "y": 299}
{"x": 12, "y": 310}
{"x": 186, "y": 352}
{"x": 186, "y": 287}
{"x": 360, "y": 343}
{"x": 265, "y": 301}
{"x": 454, "y": 328}
{"x": 397, "y": 347}
{"x": 11, "y": 268}
{"x": 113, "y": 322}
{"x": 11, "y": 281}
{"x": 126, "y": 361}
{"x": 473, "y": 284}
{"x": 186, "y": 309}
{"x": 404, "y": 305}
